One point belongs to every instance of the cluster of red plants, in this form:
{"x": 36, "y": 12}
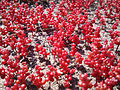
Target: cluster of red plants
{"x": 69, "y": 32}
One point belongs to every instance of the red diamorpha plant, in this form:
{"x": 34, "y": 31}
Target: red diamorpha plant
{"x": 73, "y": 44}
{"x": 84, "y": 82}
